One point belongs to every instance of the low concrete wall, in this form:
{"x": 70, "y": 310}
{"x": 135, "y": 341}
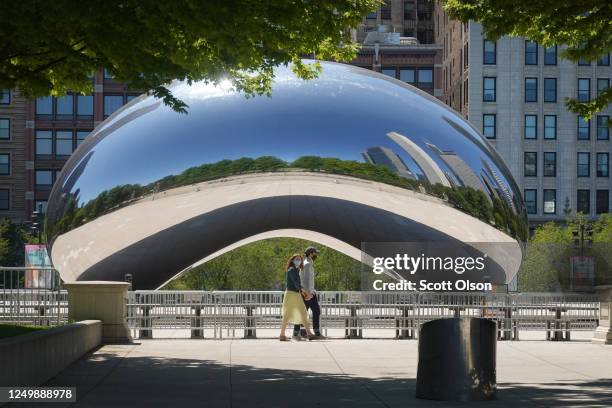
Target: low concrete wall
{"x": 33, "y": 358}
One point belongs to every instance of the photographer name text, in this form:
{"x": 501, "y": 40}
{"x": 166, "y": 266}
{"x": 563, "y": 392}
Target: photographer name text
{"x": 424, "y": 285}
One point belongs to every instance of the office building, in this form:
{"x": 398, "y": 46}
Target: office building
{"x": 514, "y": 91}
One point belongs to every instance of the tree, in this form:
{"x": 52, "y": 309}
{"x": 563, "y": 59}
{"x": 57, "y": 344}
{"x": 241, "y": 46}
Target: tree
{"x": 584, "y": 26}
{"x": 53, "y": 47}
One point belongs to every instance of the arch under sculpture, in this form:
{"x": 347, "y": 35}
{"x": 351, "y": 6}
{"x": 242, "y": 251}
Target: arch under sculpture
{"x": 350, "y": 157}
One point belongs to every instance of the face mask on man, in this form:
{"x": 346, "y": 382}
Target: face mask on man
{"x": 297, "y": 262}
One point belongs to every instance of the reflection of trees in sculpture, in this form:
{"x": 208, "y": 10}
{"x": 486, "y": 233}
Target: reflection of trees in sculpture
{"x": 474, "y": 202}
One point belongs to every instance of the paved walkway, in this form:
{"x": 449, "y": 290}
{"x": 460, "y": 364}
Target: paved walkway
{"x": 331, "y": 373}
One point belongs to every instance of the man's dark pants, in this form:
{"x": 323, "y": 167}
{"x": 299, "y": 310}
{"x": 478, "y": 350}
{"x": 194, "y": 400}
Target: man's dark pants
{"x": 312, "y": 304}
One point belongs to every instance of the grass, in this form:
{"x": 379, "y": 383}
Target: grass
{"x": 10, "y": 330}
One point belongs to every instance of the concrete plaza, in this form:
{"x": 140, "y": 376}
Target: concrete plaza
{"x": 331, "y": 373}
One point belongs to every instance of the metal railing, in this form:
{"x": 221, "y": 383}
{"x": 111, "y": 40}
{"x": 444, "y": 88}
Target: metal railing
{"x": 32, "y": 296}
{"x": 220, "y": 314}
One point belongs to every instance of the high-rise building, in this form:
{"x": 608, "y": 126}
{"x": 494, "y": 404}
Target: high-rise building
{"x": 514, "y": 91}
{"x": 398, "y": 41}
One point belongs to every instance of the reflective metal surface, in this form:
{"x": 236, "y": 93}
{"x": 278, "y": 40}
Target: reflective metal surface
{"x": 352, "y": 156}
{"x": 457, "y": 360}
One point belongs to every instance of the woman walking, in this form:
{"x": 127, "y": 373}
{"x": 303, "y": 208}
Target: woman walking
{"x": 294, "y": 309}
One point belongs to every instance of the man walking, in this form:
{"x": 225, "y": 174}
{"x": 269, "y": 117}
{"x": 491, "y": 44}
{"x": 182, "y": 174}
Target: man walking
{"x": 307, "y": 276}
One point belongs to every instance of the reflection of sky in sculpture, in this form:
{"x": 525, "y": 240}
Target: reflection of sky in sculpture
{"x": 427, "y": 163}
{"x": 337, "y": 115}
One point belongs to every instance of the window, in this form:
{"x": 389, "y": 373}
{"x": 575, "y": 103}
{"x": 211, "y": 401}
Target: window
{"x": 41, "y": 205}
{"x": 389, "y": 72}
{"x": 44, "y": 107}
{"x": 550, "y": 164}
{"x": 5, "y": 164}
{"x": 531, "y": 53}
{"x": 488, "y": 125}
{"x": 85, "y": 107}
{"x": 44, "y": 143}
{"x": 44, "y": 179}
{"x": 63, "y": 142}
{"x": 107, "y": 74}
{"x": 550, "y": 55}
{"x": 584, "y": 62}
{"x": 5, "y": 128}
{"x": 584, "y": 129}
{"x": 583, "y": 201}
{"x": 584, "y": 164}
{"x": 5, "y": 96}
{"x": 550, "y": 89}
{"x": 64, "y": 107}
{"x": 128, "y": 98}
{"x": 604, "y": 60}
{"x": 550, "y": 126}
{"x": 409, "y": 10}
{"x": 407, "y": 75}
{"x": 602, "y": 201}
{"x": 550, "y": 201}
{"x": 603, "y": 130}
{"x": 531, "y": 201}
{"x": 489, "y": 52}
{"x": 531, "y": 164}
{"x": 425, "y": 76}
{"x": 385, "y": 11}
{"x": 602, "y": 85}
{"x": 531, "y": 89}
{"x": 584, "y": 89}
{"x": 531, "y": 127}
{"x": 488, "y": 85}
{"x": 5, "y": 199}
{"x": 603, "y": 164}
{"x": 112, "y": 103}
{"x": 81, "y": 135}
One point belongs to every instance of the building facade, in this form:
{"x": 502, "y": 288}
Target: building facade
{"x": 13, "y": 146}
{"x": 38, "y": 136}
{"x": 398, "y": 40}
{"x": 514, "y": 92}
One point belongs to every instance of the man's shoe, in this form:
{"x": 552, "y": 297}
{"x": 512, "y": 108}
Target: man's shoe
{"x": 297, "y": 337}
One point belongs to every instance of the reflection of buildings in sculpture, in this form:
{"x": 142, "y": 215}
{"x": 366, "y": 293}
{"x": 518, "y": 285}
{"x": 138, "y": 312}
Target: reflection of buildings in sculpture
{"x": 433, "y": 173}
{"x": 71, "y": 198}
{"x": 497, "y": 184}
{"x": 383, "y": 156}
{"x": 460, "y": 169}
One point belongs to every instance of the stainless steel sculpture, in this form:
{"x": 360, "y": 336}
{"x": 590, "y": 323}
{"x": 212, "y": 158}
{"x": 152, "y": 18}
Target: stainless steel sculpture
{"x": 350, "y": 157}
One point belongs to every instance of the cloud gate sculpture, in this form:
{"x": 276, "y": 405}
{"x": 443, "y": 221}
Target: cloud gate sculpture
{"x": 350, "y": 157}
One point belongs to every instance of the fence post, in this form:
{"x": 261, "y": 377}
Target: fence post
{"x": 196, "y": 324}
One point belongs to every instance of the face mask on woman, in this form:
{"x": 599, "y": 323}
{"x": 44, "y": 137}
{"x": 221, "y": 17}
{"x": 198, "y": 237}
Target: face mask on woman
{"x": 297, "y": 262}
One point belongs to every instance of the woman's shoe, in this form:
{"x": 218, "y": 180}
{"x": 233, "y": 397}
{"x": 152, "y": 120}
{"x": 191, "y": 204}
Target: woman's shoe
{"x": 284, "y": 338}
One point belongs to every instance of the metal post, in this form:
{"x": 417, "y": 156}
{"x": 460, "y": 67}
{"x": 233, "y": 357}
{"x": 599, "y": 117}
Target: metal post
{"x": 196, "y": 324}
{"x": 145, "y": 330}
{"x": 250, "y": 332}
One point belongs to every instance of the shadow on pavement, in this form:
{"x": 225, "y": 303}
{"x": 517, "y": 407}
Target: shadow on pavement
{"x": 108, "y": 380}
